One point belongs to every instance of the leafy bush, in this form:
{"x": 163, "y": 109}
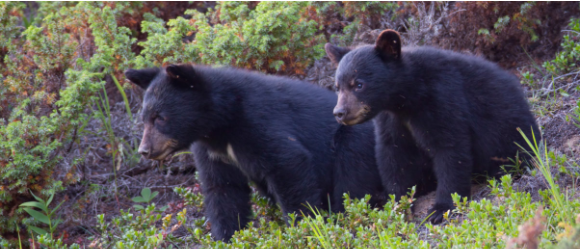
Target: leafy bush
{"x": 275, "y": 37}
{"x": 567, "y": 59}
{"x": 47, "y": 86}
{"x": 130, "y": 231}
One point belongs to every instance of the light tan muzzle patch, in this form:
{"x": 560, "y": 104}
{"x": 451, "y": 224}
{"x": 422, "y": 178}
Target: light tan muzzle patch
{"x": 349, "y": 110}
{"x": 155, "y": 145}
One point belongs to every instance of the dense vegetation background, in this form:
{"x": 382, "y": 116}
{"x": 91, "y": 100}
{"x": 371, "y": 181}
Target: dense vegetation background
{"x": 70, "y": 176}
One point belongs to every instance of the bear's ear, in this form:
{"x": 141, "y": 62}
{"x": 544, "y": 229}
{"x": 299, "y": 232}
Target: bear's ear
{"x": 389, "y": 45}
{"x": 335, "y": 53}
{"x": 182, "y": 75}
{"x": 141, "y": 77}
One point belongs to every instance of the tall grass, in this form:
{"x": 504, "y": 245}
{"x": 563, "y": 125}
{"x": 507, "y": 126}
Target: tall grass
{"x": 541, "y": 160}
{"x": 117, "y": 145}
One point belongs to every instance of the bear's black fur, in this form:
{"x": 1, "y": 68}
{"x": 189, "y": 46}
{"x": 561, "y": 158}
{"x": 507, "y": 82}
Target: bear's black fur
{"x": 440, "y": 116}
{"x": 276, "y": 132}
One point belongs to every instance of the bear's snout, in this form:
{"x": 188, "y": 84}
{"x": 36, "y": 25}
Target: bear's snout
{"x": 144, "y": 150}
{"x": 339, "y": 112}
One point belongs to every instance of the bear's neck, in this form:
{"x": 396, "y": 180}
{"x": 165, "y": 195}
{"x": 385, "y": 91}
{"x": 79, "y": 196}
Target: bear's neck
{"x": 413, "y": 90}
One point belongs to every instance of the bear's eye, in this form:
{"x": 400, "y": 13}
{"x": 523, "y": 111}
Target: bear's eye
{"x": 158, "y": 119}
{"x": 359, "y": 85}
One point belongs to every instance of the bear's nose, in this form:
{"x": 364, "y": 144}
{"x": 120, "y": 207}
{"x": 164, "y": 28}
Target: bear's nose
{"x": 143, "y": 151}
{"x": 339, "y": 112}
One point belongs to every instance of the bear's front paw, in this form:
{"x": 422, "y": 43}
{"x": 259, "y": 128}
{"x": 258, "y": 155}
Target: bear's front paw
{"x": 437, "y": 211}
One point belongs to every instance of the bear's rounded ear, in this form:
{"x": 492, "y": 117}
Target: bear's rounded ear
{"x": 182, "y": 75}
{"x": 141, "y": 77}
{"x": 389, "y": 45}
{"x": 335, "y": 53}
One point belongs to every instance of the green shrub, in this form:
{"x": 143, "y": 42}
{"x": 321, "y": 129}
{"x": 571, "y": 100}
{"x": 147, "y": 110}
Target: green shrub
{"x": 275, "y": 37}
{"x": 567, "y": 59}
{"x": 48, "y": 86}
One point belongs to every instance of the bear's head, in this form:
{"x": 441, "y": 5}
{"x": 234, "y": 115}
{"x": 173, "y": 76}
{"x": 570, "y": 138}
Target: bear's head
{"x": 175, "y": 106}
{"x": 365, "y": 76}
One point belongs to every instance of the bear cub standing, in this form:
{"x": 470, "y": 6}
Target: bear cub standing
{"x": 276, "y": 132}
{"x": 440, "y": 116}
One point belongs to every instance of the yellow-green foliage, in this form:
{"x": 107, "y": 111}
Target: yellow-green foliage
{"x": 45, "y": 90}
{"x": 275, "y": 37}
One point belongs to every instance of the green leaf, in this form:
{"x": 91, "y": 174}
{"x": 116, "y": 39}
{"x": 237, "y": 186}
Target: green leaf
{"x": 153, "y": 195}
{"x": 37, "y": 215}
{"x": 146, "y": 193}
{"x": 483, "y": 31}
{"x": 138, "y": 199}
{"x": 49, "y": 199}
{"x": 38, "y": 230}
{"x": 55, "y": 223}
{"x": 138, "y": 207}
{"x": 38, "y": 198}
{"x": 34, "y": 204}
{"x": 58, "y": 206}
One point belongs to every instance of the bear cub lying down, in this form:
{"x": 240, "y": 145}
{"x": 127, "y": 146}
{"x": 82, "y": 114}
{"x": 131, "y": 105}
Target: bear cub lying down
{"x": 440, "y": 116}
{"x": 276, "y": 132}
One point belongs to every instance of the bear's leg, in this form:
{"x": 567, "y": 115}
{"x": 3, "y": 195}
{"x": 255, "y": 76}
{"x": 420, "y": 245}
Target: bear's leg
{"x": 294, "y": 182}
{"x": 453, "y": 170}
{"x": 402, "y": 164}
{"x": 355, "y": 168}
{"x": 226, "y": 194}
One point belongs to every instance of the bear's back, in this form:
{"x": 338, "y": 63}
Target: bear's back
{"x": 485, "y": 86}
{"x": 274, "y": 93}
{"x": 472, "y": 70}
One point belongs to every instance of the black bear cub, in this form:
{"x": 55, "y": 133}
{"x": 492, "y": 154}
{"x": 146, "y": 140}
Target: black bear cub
{"x": 440, "y": 116}
{"x": 276, "y": 132}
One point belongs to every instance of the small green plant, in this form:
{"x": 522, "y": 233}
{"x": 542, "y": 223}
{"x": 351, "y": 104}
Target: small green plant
{"x": 133, "y": 231}
{"x": 517, "y": 167}
{"x": 146, "y": 197}
{"x": 192, "y": 196}
{"x": 567, "y": 60}
{"x": 46, "y": 215}
{"x": 528, "y": 79}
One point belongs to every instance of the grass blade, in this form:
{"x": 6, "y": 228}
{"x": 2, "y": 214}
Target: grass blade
{"x": 125, "y": 99}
